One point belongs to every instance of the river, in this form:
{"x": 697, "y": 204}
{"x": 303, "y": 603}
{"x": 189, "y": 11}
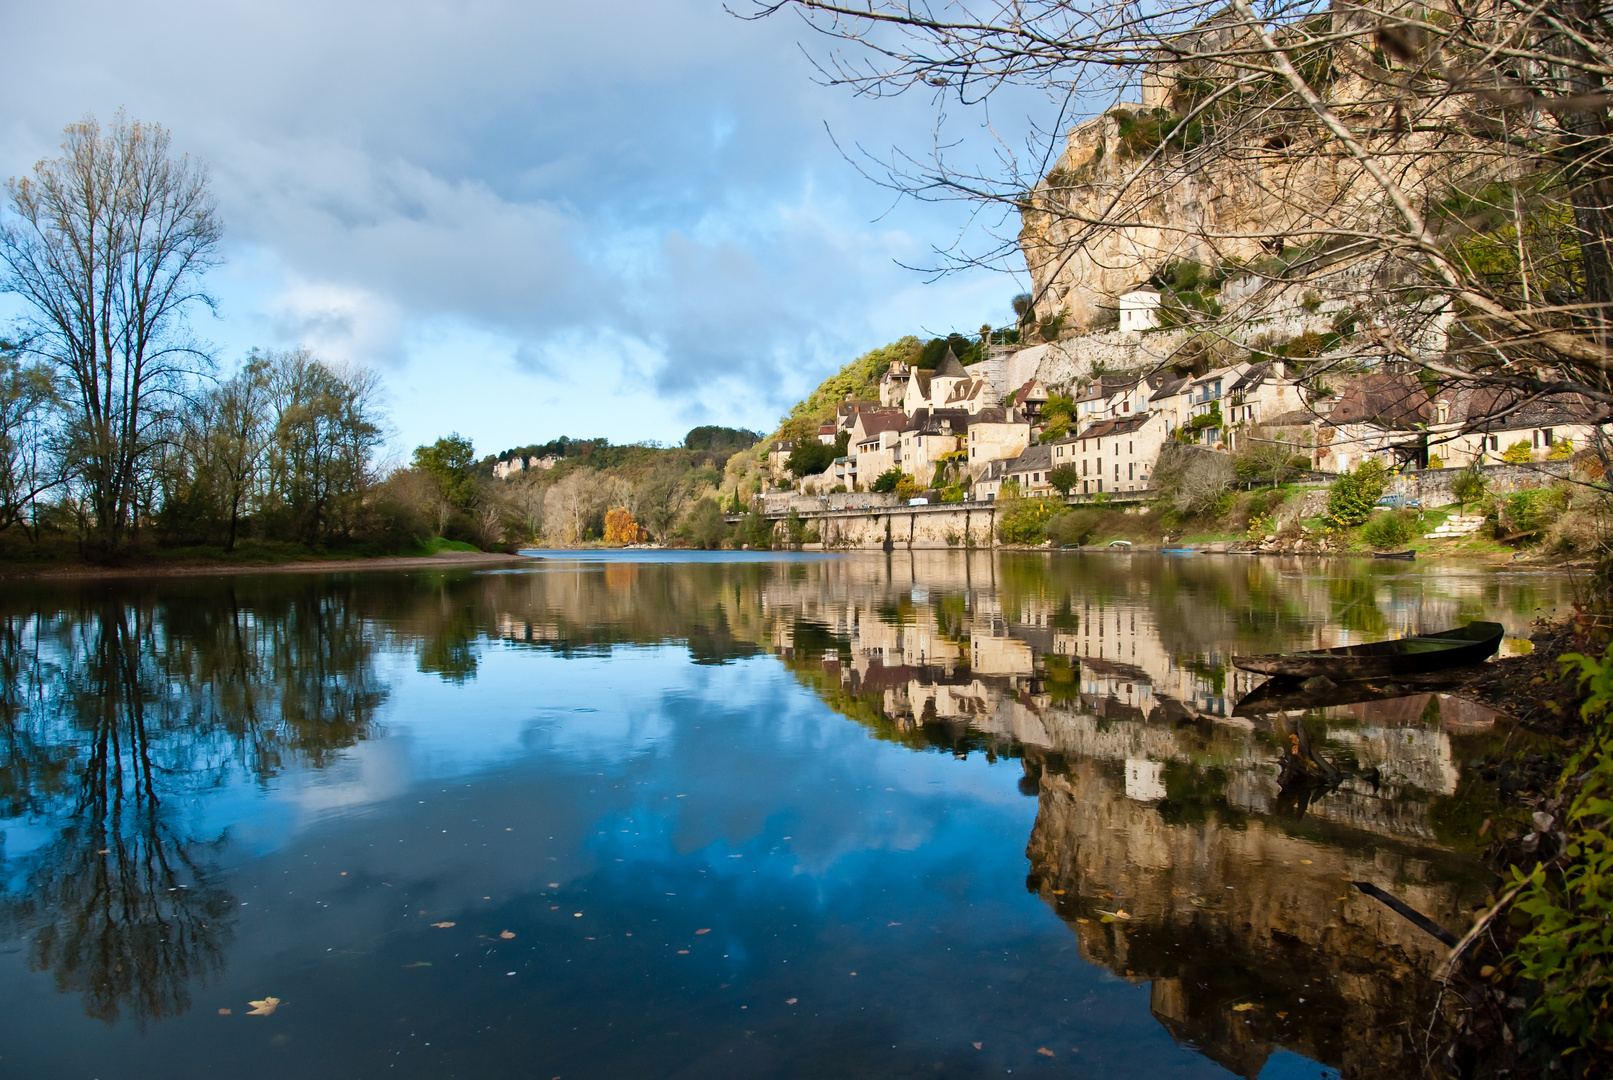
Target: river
{"x": 927, "y": 814}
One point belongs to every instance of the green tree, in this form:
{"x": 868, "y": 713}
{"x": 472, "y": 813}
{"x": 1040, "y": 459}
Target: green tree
{"x": 1064, "y": 478}
{"x": 449, "y": 461}
{"x": 1351, "y": 498}
{"x": 810, "y": 457}
{"x": 30, "y": 461}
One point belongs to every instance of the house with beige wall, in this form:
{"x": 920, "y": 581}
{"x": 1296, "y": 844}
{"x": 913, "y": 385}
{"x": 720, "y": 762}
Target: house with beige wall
{"x": 996, "y": 434}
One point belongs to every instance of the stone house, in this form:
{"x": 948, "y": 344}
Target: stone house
{"x": 996, "y": 434}
{"x": 876, "y": 444}
{"x": 990, "y": 481}
{"x": 1480, "y": 424}
{"x": 1263, "y": 391}
{"x": 1030, "y": 469}
{"x": 1117, "y": 454}
{"x": 1139, "y": 309}
{"x": 1029, "y": 399}
{"x": 929, "y": 435}
{"x": 777, "y": 457}
{"x": 827, "y": 431}
{"x": 1385, "y": 413}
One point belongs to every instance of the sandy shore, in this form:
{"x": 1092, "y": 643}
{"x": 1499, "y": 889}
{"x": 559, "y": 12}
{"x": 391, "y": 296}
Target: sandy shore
{"x": 448, "y": 560}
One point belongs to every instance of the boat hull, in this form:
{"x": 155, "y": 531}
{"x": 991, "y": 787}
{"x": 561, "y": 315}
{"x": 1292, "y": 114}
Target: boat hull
{"x": 1407, "y": 555}
{"x": 1471, "y": 644}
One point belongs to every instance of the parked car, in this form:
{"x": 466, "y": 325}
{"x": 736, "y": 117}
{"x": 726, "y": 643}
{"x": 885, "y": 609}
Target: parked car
{"x": 1394, "y": 501}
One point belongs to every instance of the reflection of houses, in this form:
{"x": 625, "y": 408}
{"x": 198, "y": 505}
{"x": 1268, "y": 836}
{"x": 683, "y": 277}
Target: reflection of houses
{"x": 1244, "y": 930}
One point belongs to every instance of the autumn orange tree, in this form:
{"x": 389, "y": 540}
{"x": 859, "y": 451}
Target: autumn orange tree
{"x": 621, "y": 528}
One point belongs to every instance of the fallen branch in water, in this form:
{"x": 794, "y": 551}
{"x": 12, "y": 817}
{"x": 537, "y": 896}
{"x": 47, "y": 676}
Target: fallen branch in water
{"x": 1417, "y": 918}
{"x": 1460, "y": 947}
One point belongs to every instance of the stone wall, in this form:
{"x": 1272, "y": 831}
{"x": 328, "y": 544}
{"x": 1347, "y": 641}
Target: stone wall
{"x": 1433, "y": 486}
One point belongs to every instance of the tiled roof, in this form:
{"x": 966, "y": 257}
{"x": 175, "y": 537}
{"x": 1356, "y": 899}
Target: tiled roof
{"x": 949, "y": 368}
{"x": 883, "y": 420}
{"x": 1386, "y": 399}
{"x": 1123, "y": 425}
{"x": 1034, "y": 457}
{"x": 1169, "y": 388}
{"x": 1252, "y": 378}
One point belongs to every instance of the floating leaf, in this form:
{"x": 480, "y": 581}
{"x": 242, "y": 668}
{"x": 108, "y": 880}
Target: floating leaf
{"x": 1245, "y": 1007}
{"x": 442, "y": 925}
{"x": 1304, "y": 862}
{"x": 265, "y": 1007}
{"x": 505, "y": 934}
{"x": 1107, "y": 919}
{"x": 419, "y": 963}
{"x": 1044, "y": 1051}
{"x": 224, "y": 1012}
{"x": 790, "y": 1001}
{"x": 979, "y": 1045}
{"x": 683, "y": 952}
{"x": 707, "y": 930}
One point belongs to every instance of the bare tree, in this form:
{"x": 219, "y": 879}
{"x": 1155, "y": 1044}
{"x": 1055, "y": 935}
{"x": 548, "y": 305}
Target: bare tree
{"x": 107, "y": 245}
{"x": 1431, "y": 182}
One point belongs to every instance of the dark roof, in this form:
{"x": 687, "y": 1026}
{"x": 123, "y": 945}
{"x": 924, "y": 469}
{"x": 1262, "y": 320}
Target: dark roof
{"x": 949, "y": 368}
{"x": 932, "y": 420}
{"x": 848, "y": 408}
{"x": 1253, "y": 377}
{"x": 994, "y": 469}
{"x": 995, "y": 415}
{"x": 1388, "y": 399}
{"x": 1121, "y": 425}
{"x": 1170, "y": 387}
{"x": 1488, "y": 409}
{"x": 874, "y": 422}
{"x": 1104, "y": 385}
{"x": 1034, "y": 457}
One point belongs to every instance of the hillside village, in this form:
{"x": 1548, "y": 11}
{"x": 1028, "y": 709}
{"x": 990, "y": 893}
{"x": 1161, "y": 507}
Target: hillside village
{"x": 960, "y": 433}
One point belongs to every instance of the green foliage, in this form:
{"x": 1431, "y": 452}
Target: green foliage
{"x": 1351, "y": 498}
{"x": 1211, "y": 419}
{"x": 1023, "y": 521}
{"x": 1561, "y": 450}
{"x": 1064, "y": 478}
{"x": 794, "y": 528}
{"x": 860, "y": 379}
{"x": 1390, "y": 529}
{"x": 1519, "y": 453}
{"x": 1568, "y": 945}
{"x": 704, "y": 526}
{"x": 935, "y": 350}
{"x": 809, "y": 457}
{"x": 887, "y": 481}
{"x": 712, "y": 437}
{"x": 1532, "y": 510}
{"x": 1073, "y": 527}
{"x": 1469, "y": 487}
{"x": 953, "y": 493}
{"x": 449, "y": 461}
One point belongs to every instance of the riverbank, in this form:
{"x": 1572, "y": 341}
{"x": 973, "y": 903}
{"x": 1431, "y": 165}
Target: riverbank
{"x": 447, "y": 560}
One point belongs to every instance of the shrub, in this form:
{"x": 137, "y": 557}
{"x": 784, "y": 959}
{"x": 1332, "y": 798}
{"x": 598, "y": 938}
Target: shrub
{"x": 1566, "y": 948}
{"x": 1519, "y": 453}
{"x": 1350, "y": 499}
{"x": 1561, "y": 450}
{"x": 1073, "y": 527}
{"x": 907, "y": 488}
{"x": 704, "y": 526}
{"x": 1531, "y": 511}
{"x": 1024, "y": 521}
{"x": 1391, "y": 529}
{"x": 886, "y": 481}
{"x": 1192, "y": 478}
{"x": 1435, "y": 461}
{"x": 1469, "y": 487}
{"x": 810, "y": 457}
{"x": 1300, "y": 462}
{"x": 1260, "y": 526}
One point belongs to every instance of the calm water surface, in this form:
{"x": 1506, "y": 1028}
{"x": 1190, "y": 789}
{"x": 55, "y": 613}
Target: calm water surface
{"x": 918, "y": 815}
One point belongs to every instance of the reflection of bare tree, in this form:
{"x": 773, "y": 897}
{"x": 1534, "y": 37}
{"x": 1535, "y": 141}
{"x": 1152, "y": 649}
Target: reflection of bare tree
{"x": 109, "y": 714}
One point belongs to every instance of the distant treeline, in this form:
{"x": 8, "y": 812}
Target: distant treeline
{"x": 603, "y": 454}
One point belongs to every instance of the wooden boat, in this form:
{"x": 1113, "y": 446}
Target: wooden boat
{"x": 1394, "y": 554}
{"x": 1282, "y": 695}
{"x": 1459, "y": 647}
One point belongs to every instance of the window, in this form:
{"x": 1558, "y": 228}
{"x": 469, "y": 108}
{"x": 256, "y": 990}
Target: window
{"x": 1083, "y": 466}
{"x": 1550, "y": 441}
{"x": 1100, "y": 483}
{"x": 1036, "y": 477}
{"x": 1495, "y": 442}
{"x": 1129, "y": 449}
{"x": 1099, "y": 471}
{"x": 1131, "y": 470}
{"x": 1535, "y": 435}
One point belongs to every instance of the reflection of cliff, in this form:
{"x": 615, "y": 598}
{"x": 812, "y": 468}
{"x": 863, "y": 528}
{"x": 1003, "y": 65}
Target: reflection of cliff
{"x": 1227, "y": 910}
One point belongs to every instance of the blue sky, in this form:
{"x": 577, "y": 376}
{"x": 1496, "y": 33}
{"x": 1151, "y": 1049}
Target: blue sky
{"x": 533, "y": 218}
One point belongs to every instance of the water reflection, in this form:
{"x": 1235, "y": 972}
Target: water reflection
{"x": 1170, "y": 834}
{"x": 117, "y": 712}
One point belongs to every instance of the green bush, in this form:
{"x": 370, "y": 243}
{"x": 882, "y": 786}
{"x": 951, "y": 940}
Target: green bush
{"x": 1064, "y": 478}
{"x": 1351, "y": 498}
{"x": 704, "y": 526}
{"x": 1024, "y": 521}
{"x": 1391, "y": 529}
{"x": 1519, "y": 453}
{"x": 1073, "y": 527}
{"x": 1531, "y": 511}
{"x": 1469, "y": 487}
{"x": 1567, "y": 947}
{"x": 886, "y": 481}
